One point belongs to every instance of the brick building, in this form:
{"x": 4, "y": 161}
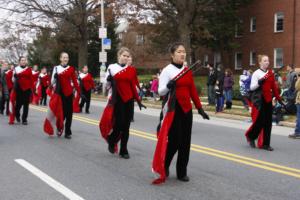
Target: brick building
{"x": 269, "y": 27}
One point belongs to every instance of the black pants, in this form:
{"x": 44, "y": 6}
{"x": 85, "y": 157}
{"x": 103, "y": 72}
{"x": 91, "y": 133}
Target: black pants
{"x": 123, "y": 114}
{"x": 179, "y": 139}
{"x": 44, "y": 96}
{"x": 68, "y": 112}
{"x": 85, "y": 98}
{"x": 22, "y": 100}
{"x": 4, "y": 102}
{"x": 263, "y": 122}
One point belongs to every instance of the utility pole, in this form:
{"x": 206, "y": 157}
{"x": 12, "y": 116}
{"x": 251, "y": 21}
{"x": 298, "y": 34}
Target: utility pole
{"x": 103, "y": 53}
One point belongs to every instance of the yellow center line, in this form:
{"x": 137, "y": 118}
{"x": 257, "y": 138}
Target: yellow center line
{"x": 205, "y": 150}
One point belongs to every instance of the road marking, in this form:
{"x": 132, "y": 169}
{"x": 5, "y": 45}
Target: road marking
{"x": 208, "y": 151}
{"x": 50, "y": 181}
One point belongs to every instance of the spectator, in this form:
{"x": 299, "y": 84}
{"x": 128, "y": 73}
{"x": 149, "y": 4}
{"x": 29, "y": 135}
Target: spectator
{"x": 211, "y": 82}
{"x": 296, "y": 134}
{"x": 154, "y": 88}
{"x": 290, "y": 77}
{"x": 219, "y": 86}
{"x": 228, "y": 88}
{"x": 245, "y": 81}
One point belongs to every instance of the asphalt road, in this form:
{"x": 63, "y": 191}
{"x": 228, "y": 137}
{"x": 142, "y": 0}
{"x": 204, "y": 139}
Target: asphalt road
{"x": 222, "y": 166}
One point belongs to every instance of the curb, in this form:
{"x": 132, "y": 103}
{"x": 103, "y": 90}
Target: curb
{"x": 213, "y": 114}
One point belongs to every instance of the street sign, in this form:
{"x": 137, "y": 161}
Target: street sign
{"x": 106, "y": 43}
{"x": 103, "y": 57}
{"x": 102, "y": 32}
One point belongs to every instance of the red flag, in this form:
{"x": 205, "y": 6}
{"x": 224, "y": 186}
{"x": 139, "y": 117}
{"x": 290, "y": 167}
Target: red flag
{"x": 36, "y": 97}
{"x": 76, "y": 108}
{"x": 12, "y": 106}
{"x": 107, "y": 120}
{"x": 55, "y": 116}
{"x": 167, "y": 115}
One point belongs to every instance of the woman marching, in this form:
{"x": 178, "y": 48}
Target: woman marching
{"x": 23, "y": 85}
{"x": 121, "y": 78}
{"x": 42, "y": 85}
{"x": 64, "y": 76}
{"x": 86, "y": 85}
{"x": 263, "y": 87}
{"x": 177, "y": 86}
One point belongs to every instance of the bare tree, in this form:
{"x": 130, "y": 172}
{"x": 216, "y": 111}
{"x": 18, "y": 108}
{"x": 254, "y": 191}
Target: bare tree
{"x": 48, "y": 13}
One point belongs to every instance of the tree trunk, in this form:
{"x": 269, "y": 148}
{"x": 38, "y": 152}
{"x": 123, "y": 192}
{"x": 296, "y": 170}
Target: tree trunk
{"x": 82, "y": 51}
{"x": 185, "y": 38}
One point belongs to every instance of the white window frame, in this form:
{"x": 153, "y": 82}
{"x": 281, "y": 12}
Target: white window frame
{"x": 275, "y": 22}
{"x": 275, "y": 58}
{"x": 252, "y": 58}
{"x": 235, "y": 61}
{"x": 205, "y": 59}
{"x": 251, "y": 24}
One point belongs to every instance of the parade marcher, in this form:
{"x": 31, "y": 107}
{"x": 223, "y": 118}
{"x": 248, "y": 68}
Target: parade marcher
{"x": 116, "y": 118}
{"x": 64, "y": 76}
{"x": 86, "y": 85}
{"x": 4, "y": 96}
{"x": 228, "y": 88}
{"x": 43, "y": 84}
{"x": 177, "y": 87}
{"x": 296, "y": 134}
{"x": 35, "y": 75}
{"x": 263, "y": 87}
{"x": 23, "y": 86}
{"x": 130, "y": 63}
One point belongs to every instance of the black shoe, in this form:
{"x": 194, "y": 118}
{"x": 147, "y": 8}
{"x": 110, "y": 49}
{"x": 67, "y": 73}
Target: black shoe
{"x": 111, "y": 148}
{"x": 125, "y": 156}
{"x": 68, "y": 137}
{"x": 18, "y": 119}
{"x": 25, "y": 123}
{"x": 184, "y": 179}
{"x": 252, "y": 143}
{"x": 87, "y": 112}
{"x": 294, "y": 136}
{"x": 268, "y": 148}
{"x": 1, "y": 112}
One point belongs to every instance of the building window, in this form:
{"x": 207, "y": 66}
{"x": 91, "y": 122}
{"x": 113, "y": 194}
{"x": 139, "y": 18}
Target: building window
{"x": 252, "y": 58}
{"x": 139, "y": 39}
{"x": 278, "y": 22}
{"x": 238, "y": 60}
{"x": 217, "y": 59}
{"x": 278, "y": 57}
{"x": 239, "y": 29}
{"x": 253, "y": 24}
{"x": 205, "y": 59}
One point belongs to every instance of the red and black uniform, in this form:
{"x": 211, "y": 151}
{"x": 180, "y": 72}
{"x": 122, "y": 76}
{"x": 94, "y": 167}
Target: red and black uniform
{"x": 179, "y": 129}
{"x": 124, "y": 78}
{"x": 43, "y": 82}
{"x": 65, "y": 75}
{"x": 86, "y": 84}
{"x": 263, "y": 88}
{"x": 23, "y": 83}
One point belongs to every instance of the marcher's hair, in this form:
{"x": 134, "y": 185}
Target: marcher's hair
{"x": 291, "y": 66}
{"x": 260, "y": 57}
{"x": 173, "y": 47}
{"x": 62, "y": 54}
{"x": 122, "y": 50}
{"x": 21, "y": 57}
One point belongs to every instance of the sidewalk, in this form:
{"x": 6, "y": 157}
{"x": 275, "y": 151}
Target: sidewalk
{"x": 237, "y": 112}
